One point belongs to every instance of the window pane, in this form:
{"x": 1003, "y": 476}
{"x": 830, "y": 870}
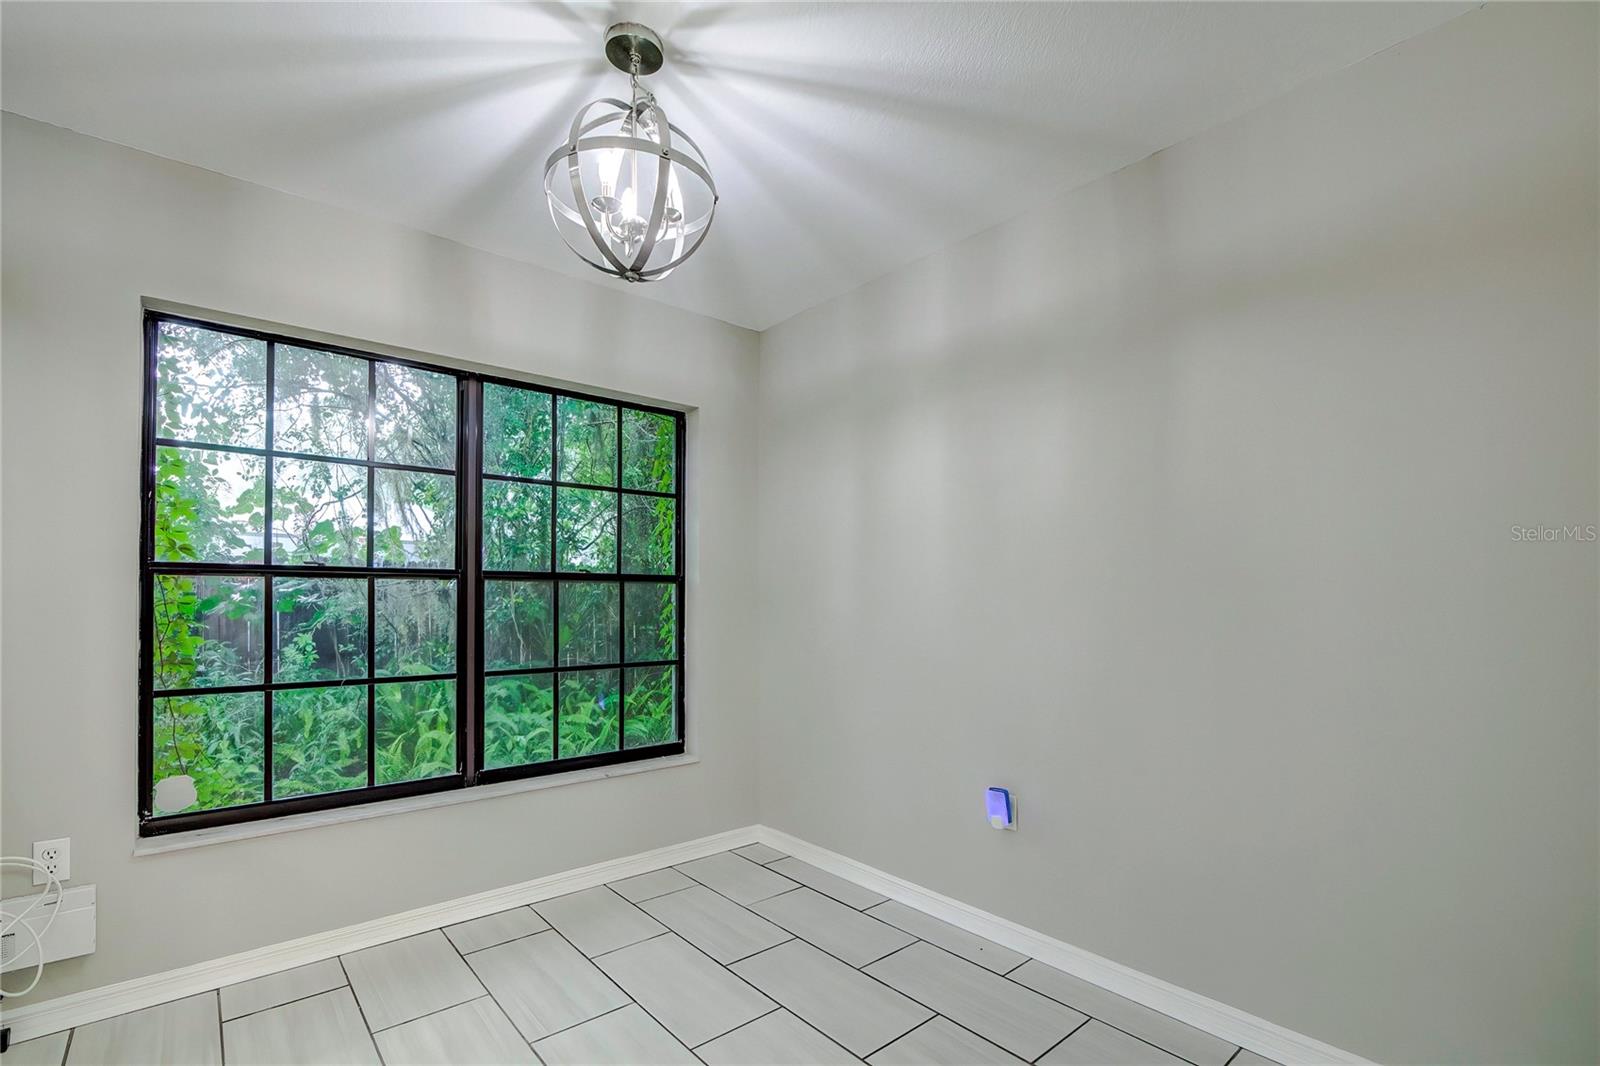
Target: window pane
{"x": 319, "y": 740}
{"x": 415, "y": 524}
{"x": 210, "y": 747}
{"x": 516, "y": 526}
{"x": 588, "y": 441}
{"x": 516, "y": 720}
{"x": 416, "y": 730}
{"x": 586, "y": 530}
{"x": 652, "y": 621}
{"x": 416, "y": 627}
{"x": 589, "y": 617}
{"x": 319, "y": 403}
{"x": 415, "y": 416}
{"x": 649, "y": 451}
{"x": 320, "y": 628}
{"x": 210, "y": 506}
{"x": 208, "y": 631}
{"x": 516, "y": 431}
{"x": 319, "y": 513}
{"x": 588, "y": 712}
{"x": 650, "y": 710}
{"x": 210, "y": 387}
{"x": 649, "y": 528}
{"x": 516, "y": 624}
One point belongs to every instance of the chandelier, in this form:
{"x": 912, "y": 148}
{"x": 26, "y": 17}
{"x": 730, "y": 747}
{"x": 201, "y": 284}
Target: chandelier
{"x": 629, "y": 192}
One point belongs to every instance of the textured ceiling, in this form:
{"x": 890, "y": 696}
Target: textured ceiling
{"x": 847, "y": 139}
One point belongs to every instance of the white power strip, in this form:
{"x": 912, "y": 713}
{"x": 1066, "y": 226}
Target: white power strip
{"x": 70, "y": 936}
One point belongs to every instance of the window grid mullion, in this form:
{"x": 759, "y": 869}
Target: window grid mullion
{"x": 372, "y": 676}
{"x": 622, "y": 598}
{"x": 517, "y": 479}
{"x": 555, "y": 583}
{"x": 469, "y": 560}
{"x": 312, "y": 457}
{"x": 267, "y": 754}
{"x": 372, "y": 582}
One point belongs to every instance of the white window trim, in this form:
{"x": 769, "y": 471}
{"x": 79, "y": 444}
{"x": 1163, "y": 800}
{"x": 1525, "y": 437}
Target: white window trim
{"x": 199, "y": 838}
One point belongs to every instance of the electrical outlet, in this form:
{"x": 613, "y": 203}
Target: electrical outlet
{"x": 56, "y": 856}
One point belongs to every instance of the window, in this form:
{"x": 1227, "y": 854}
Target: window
{"x": 364, "y": 577}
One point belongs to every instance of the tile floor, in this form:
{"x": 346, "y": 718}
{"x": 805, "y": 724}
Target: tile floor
{"x": 745, "y": 957}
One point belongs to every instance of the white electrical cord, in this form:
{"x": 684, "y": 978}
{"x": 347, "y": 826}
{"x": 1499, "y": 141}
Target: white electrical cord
{"x": 9, "y": 921}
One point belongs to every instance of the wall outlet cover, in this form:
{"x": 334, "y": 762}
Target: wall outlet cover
{"x": 54, "y": 854}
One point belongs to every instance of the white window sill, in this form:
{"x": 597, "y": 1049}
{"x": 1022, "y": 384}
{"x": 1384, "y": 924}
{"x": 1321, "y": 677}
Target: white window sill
{"x": 199, "y": 838}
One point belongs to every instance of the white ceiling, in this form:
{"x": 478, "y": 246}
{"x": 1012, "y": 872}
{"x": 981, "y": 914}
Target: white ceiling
{"x": 846, "y": 139}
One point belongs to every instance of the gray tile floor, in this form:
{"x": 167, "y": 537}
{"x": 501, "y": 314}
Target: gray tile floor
{"x": 746, "y": 957}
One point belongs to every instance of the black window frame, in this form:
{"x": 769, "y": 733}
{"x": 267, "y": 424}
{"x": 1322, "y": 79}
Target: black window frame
{"x": 469, "y": 573}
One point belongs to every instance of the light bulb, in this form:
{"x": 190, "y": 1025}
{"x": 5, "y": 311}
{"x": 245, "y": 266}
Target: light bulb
{"x": 610, "y": 170}
{"x": 672, "y": 217}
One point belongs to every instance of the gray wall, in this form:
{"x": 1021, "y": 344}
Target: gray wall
{"x": 1183, "y": 506}
{"x": 90, "y": 229}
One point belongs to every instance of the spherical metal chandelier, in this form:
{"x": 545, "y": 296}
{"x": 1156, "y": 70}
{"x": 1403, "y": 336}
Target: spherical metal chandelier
{"x": 630, "y": 192}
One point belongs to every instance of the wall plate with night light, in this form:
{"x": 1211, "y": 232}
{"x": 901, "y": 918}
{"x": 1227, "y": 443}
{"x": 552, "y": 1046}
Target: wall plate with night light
{"x": 1002, "y": 809}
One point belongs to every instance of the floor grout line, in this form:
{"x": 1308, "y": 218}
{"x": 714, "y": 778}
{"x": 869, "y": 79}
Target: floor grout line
{"x": 360, "y": 1009}
{"x": 946, "y": 1017}
{"x": 776, "y": 1007}
{"x": 819, "y": 947}
{"x": 1096, "y": 1018}
{"x": 887, "y": 985}
{"x": 464, "y": 962}
{"x": 727, "y": 968}
{"x": 445, "y": 929}
{"x": 624, "y": 947}
{"x": 1063, "y": 1040}
{"x": 730, "y": 963}
{"x": 902, "y": 1036}
{"x": 890, "y": 955}
{"x": 741, "y": 858}
{"x": 770, "y": 947}
{"x": 619, "y": 988}
{"x": 436, "y": 1010}
{"x": 285, "y": 1003}
{"x": 568, "y": 1028}
{"x": 489, "y": 993}
{"x": 503, "y": 943}
{"x": 661, "y": 895}
{"x": 822, "y": 891}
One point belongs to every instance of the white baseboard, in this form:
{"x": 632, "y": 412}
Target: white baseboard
{"x": 1236, "y": 1026}
{"x": 1231, "y": 1024}
{"x": 95, "y": 1004}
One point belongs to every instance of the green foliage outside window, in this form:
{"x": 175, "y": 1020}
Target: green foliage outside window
{"x": 319, "y": 740}
{"x": 416, "y": 730}
{"x": 518, "y": 720}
